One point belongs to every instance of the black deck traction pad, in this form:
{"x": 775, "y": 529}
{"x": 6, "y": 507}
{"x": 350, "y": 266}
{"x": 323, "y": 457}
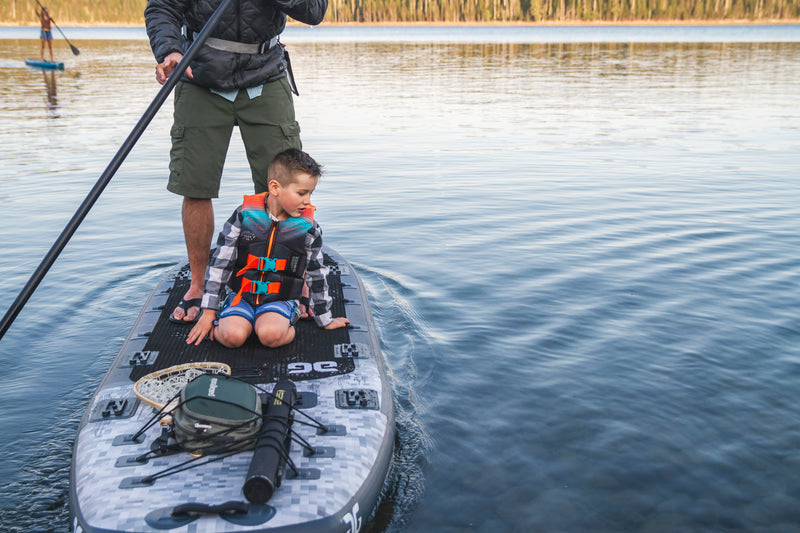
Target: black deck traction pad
{"x": 253, "y": 361}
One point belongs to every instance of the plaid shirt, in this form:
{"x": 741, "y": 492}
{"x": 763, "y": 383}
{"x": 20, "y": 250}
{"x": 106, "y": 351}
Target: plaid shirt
{"x": 223, "y": 263}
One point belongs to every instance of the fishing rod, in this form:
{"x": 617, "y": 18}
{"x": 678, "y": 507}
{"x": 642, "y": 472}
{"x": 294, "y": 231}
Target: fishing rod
{"x": 73, "y": 47}
{"x": 112, "y": 167}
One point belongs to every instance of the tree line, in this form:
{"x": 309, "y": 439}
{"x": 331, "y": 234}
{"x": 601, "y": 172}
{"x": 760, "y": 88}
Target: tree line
{"x": 88, "y": 12}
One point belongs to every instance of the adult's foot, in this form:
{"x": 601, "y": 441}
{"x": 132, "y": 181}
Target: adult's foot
{"x": 188, "y": 309}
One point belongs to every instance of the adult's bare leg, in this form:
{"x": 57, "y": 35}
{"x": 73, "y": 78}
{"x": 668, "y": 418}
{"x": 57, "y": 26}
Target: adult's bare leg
{"x": 197, "y": 215}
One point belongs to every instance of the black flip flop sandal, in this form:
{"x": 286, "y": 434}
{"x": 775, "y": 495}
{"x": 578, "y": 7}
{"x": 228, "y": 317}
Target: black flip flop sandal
{"x": 186, "y": 305}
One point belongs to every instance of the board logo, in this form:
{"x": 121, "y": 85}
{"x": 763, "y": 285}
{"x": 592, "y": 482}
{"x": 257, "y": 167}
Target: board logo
{"x": 212, "y": 388}
{"x": 324, "y": 367}
{"x": 353, "y": 519}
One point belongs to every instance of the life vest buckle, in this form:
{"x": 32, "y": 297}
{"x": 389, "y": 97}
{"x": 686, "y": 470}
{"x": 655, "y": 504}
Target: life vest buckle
{"x": 263, "y": 264}
{"x": 263, "y": 287}
{"x": 267, "y": 264}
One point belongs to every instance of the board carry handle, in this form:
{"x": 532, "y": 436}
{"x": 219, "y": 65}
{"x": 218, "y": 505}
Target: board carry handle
{"x": 224, "y": 509}
{"x": 110, "y": 170}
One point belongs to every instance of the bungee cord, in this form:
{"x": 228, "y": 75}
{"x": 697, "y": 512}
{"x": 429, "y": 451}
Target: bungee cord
{"x": 261, "y": 440}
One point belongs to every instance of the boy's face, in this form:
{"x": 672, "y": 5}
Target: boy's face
{"x": 291, "y": 200}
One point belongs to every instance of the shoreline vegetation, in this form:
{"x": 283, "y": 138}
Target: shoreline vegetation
{"x": 598, "y": 23}
{"x": 544, "y": 23}
{"x": 452, "y": 12}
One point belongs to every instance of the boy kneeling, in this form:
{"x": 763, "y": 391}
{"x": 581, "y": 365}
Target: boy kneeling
{"x": 268, "y": 255}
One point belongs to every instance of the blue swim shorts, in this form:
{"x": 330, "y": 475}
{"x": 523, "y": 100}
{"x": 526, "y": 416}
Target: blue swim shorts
{"x": 46, "y": 35}
{"x": 287, "y": 308}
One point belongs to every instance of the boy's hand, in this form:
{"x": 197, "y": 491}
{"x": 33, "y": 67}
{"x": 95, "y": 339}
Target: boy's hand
{"x": 304, "y": 304}
{"x": 305, "y": 311}
{"x": 204, "y": 326}
{"x": 338, "y": 322}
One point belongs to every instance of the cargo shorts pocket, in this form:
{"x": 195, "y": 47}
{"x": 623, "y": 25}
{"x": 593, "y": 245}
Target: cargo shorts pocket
{"x": 177, "y": 132}
{"x": 291, "y": 130}
{"x": 291, "y": 135}
{"x": 176, "y": 160}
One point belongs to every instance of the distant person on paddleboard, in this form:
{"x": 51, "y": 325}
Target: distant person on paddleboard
{"x": 268, "y": 263}
{"x": 46, "y": 35}
{"x": 239, "y": 78}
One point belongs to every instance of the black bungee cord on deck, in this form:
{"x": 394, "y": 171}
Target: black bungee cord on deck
{"x": 111, "y": 169}
{"x": 224, "y": 451}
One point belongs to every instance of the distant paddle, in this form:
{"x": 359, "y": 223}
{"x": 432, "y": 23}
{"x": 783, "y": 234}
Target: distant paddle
{"x": 72, "y": 46}
{"x": 112, "y": 167}
{"x": 74, "y": 49}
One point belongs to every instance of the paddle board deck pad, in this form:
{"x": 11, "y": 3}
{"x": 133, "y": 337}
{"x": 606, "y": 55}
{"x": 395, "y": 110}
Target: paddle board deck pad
{"x": 57, "y": 65}
{"x": 340, "y": 380}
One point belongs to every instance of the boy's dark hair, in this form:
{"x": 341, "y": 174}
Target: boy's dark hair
{"x": 290, "y": 162}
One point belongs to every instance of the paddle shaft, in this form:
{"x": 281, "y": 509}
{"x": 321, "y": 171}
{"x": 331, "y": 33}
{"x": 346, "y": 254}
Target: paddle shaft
{"x": 72, "y": 47}
{"x": 112, "y": 167}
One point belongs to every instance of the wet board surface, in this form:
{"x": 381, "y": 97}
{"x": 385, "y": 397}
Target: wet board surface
{"x": 341, "y": 381}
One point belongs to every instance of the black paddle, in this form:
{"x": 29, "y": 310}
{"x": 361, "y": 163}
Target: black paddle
{"x": 112, "y": 167}
{"x": 74, "y": 49}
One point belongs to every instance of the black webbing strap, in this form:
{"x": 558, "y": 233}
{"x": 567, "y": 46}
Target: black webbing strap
{"x": 292, "y": 83}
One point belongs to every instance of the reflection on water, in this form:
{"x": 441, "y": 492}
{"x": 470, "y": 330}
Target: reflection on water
{"x": 583, "y": 260}
{"x": 51, "y": 91}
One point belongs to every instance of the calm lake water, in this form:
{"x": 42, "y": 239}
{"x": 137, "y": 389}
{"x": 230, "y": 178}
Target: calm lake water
{"x": 581, "y": 246}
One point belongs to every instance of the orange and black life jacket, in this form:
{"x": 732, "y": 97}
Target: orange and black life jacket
{"x": 272, "y": 258}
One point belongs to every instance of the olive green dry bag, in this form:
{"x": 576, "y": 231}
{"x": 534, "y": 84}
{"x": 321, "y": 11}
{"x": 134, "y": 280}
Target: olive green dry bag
{"x": 217, "y": 413}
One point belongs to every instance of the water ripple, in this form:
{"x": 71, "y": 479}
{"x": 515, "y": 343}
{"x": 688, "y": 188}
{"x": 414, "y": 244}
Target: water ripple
{"x": 404, "y": 339}
{"x": 582, "y": 257}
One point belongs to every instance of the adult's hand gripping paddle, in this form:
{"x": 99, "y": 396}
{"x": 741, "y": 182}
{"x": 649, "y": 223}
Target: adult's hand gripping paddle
{"x": 110, "y": 170}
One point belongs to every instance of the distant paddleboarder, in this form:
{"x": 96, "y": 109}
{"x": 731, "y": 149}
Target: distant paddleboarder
{"x": 46, "y": 35}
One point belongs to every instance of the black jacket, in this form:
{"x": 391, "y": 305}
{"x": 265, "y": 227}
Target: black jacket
{"x": 245, "y": 21}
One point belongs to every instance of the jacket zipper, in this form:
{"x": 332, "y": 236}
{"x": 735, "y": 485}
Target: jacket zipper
{"x": 273, "y": 231}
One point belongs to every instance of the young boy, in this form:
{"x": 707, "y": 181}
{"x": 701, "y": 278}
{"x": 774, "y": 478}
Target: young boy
{"x": 268, "y": 255}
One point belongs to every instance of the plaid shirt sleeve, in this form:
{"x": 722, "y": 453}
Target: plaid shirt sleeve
{"x": 316, "y": 278}
{"x": 222, "y": 262}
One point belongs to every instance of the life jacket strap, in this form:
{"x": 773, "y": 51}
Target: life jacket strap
{"x": 250, "y": 286}
{"x": 260, "y": 287}
{"x": 263, "y": 264}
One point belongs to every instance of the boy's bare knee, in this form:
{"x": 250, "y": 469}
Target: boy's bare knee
{"x": 232, "y": 339}
{"x": 271, "y": 339}
{"x": 274, "y": 338}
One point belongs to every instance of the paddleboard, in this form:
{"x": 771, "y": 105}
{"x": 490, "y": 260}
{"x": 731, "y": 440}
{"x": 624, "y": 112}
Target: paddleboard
{"x": 331, "y": 483}
{"x": 50, "y": 65}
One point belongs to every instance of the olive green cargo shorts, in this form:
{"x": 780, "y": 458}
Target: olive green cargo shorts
{"x": 201, "y": 132}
